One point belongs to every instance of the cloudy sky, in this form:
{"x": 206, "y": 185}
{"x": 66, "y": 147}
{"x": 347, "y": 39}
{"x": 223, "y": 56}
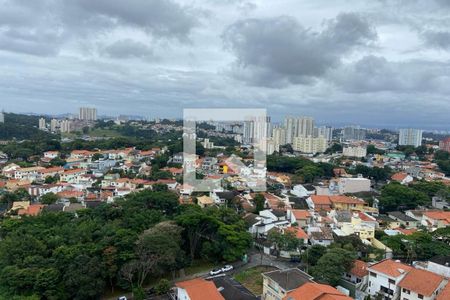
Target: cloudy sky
{"x": 379, "y": 63}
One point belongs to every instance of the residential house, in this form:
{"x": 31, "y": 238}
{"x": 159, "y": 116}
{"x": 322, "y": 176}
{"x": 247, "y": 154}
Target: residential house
{"x": 302, "y": 217}
{"x": 51, "y": 154}
{"x": 277, "y": 284}
{"x": 31, "y": 210}
{"x": 197, "y": 289}
{"x": 421, "y": 285}
{"x": 402, "y": 177}
{"x": 319, "y": 202}
{"x": 403, "y": 219}
{"x": 320, "y": 236}
{"x": 71, "y": 175}
{"x": 385, "y": 276}
{"x": 436, "y": 219}
{"x": 205, "y": 201}
{"x": 358, "y": 273}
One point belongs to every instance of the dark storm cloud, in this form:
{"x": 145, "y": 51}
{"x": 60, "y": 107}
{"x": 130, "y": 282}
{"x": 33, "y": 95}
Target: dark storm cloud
{"x": 377, "y": 74}
{"x": 280, "y": 51}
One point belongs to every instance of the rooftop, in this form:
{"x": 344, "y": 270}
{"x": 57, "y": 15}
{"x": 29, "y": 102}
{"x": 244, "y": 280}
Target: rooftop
{"x": 390, "y": 268}
{"x": 421, "y": 281}
{"x": 199, "y": 289}
{"x": 289, "y": 279}
{"x": 316, "y": 291}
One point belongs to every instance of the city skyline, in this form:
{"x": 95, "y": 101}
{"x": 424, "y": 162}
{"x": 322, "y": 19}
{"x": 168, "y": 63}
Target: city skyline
{"x": 381, "y": 64}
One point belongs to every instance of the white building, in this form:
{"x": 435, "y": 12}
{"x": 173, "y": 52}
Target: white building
{"x": 310, "y": 144}
{"x": 2, "y": 117}
{"x": 65, "y": 126}
{"x": 355, "y": 151}
{"x": 42, "y": 124}
{"x": 411, "y": 137}
{"x": 421, "y": 285}
{"x": 353, "y": 185}
{"x": 87, "y": 114}
{"x": 279, "y": 137}
{"x": 384, "y": 278}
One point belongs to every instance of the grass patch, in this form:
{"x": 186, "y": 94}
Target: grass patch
{"x": 199, "y": 266}
{"x": 252, "y": 278}
{"x": 98, "y": 132}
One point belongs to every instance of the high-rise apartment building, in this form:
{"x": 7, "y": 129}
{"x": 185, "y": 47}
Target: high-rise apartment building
{"x": 87, "y": 114}
{"x": 444, "y": 145}
{"x": 54, "y": 125}
{"x": 291, "y": 125}
{"x": 2, "y": 117}
{"x": 42, "y": 124}
{"x": 256, "y": 129}
{"x": 65, "y": 126}
{"x": 353, "y": 133}
{"x": 279, "y": 137}
{"x": 410, "y": 137}
{"x": 305, "y": 126}
{"x": 324, "y": 131}
{"x": 310, "y": 144}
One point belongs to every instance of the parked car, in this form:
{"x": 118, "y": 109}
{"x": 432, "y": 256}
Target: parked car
{"x": 122, "y": 298}
{"x": 215, "y": 272}
{"x": 227, "y": 268}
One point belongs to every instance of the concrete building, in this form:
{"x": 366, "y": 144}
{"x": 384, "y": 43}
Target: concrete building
{"x": 353, "y": 133}
{"x": 324, "y": 131}
{"x": 353, "y": 185}
{"x": 42, "y": 124}
{"x": 310, "y": 144}
{"x": 291, "y": 125}
{"x": 354, "y": 151}
{"x": 256, "y": 129}
{"x": 87, "y": 114}
{"x": 444, "y": 145}
{"x": 279, "y": 136}
{"x": 65, "y": 126}
{"x": 277, "y": 284}
{"x": 421, "y": 285}
{"x": 410, "y": 137}
{"x": 384, "y": 278}
{"x": 54, "y": 125}
{"x": 305, "y": 126}
{"x": 2, "y": 117}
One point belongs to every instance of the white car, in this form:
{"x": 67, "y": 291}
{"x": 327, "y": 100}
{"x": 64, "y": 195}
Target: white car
{"x": 215, "y": 272}
{"x": 227, "y": 268}
{"x": 122, "y": 298}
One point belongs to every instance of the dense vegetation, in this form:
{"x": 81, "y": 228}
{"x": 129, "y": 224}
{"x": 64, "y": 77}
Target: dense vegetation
{"x": 21, "y": 127}
{"x": 146, "y": 235}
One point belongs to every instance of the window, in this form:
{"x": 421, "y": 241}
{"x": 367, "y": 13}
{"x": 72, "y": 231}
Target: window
{"x": 420, "y": 296}
{"x": 406, "y": 291}
{"x": 373, "y": 274}
{"x": 391, "y": 281}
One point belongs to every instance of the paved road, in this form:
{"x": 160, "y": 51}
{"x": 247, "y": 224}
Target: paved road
{"x": 255, "y": 259}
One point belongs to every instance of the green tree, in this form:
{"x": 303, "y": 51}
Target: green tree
{"x": 332, "y": 265}
{"x": 259, "y": 201}
{"x": 49, "y": 198}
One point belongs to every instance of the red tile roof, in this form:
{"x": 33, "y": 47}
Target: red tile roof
{"x": 390, "y": 267}
{"x": 438, "y": 215}
{"x": 421, "y": 281}
{"x": 320, "y": 200}
{"x": 445, "y": 293}
{"x": 316, "y": 291}
{"x": 32, "y": 210}
{"x": 399, "y": 176}
{"x": 346, "y": 200}
{"x": 299, "y": 233}
{"x": 359, "y": 268}
{"x": 200, "y": 289}
{"x": 406, "y": 231}
{"x": 301, "y": 214}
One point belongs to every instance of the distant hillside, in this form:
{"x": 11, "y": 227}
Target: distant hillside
{"x": 21, "y": 127}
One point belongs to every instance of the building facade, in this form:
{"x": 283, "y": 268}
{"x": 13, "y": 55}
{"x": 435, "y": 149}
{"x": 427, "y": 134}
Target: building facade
{"x": 410, "y": 137}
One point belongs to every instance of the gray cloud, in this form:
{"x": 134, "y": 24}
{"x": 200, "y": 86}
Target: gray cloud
{"x": 42, "y": 27}
{"x": 377, "y": 74}
{"x": 437, "y": 39}
{"x": 280, "y": 51}
{"x": 128, "y": 48}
